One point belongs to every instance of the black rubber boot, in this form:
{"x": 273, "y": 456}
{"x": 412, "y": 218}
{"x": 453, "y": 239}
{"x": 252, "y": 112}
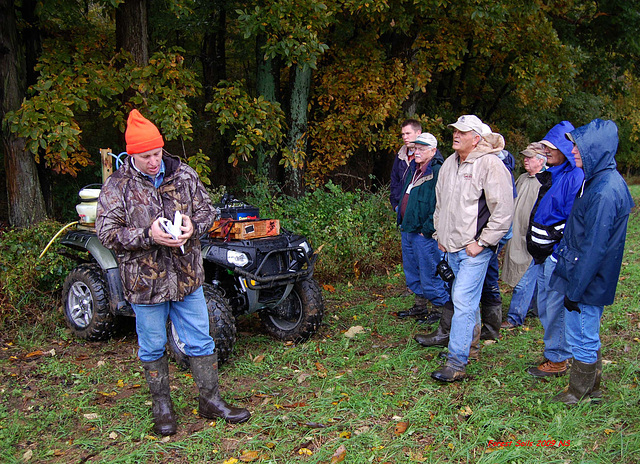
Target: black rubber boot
{"x": 474, "y": 350}
{"x": 211, "y": 406}
{"x": 449, "y": 373}
{"x": 441, "y": 335}
{"x": 157, "y": 375}
{"x": 432, "y": 316}
{"x": 582, "y": 379}
{"x": 491, "y": 314}
{"x": 419, "y": 308}
{"x": 597, "y": 392}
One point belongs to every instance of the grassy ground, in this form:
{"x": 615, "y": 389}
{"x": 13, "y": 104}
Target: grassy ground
{"x": 366, "y": 399}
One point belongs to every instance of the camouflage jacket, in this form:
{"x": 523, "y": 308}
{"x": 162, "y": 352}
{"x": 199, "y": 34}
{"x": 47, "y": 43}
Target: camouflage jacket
{"x": 127, "y": 206}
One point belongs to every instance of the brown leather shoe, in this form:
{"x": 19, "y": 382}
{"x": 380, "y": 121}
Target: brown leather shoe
{"x": 507, "y": 325}
{"x": 549, "y": 369}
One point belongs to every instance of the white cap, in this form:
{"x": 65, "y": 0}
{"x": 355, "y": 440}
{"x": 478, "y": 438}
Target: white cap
{"x": 486, "y": 130}
{"x": 469, "y": 122}
{"x": 426, "y": 139}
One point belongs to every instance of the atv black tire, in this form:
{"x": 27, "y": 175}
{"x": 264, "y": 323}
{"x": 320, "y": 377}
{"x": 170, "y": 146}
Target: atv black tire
{"x": 85, "y": 299}
{"x": 299, "y": 316}
{"x": 222, "y": 328}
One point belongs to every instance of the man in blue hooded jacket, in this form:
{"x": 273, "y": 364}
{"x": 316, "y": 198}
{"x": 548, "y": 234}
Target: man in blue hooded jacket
{"x": 559, "y": 185}
{"x": 590, "y": 253}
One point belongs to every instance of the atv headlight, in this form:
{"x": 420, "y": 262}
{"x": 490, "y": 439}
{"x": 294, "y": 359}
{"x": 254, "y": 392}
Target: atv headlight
{"x": 236, "y": 258}
{"x": 305, "y": 246}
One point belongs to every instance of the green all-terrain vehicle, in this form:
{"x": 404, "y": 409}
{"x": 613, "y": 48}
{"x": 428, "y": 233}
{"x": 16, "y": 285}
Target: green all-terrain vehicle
{"x": 272, "y": 276}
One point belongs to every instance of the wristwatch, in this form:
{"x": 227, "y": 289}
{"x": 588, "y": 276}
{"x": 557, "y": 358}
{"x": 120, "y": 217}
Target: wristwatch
{"x": 482, "y": 244}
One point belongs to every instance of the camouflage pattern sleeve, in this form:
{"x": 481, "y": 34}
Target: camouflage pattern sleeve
{"x": 113, "y": 229}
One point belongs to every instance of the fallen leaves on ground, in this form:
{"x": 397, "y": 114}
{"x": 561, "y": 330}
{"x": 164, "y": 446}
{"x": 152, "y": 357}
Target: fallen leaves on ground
{"x": 401, "y": 427}
{"x": 322, "y": 371}
{"x": 353, "y": 331}
{"x": 339, "y": 454}
{"x": 250, "y": 455}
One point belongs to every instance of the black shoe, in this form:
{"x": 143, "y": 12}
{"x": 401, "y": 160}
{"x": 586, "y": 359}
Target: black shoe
{"x": 429, "y": 318}
{"x": 449, "y": 374}
{"x": 415, "y": 311}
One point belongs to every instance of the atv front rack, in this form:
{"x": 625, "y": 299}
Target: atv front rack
{"x": 256, "y": 280}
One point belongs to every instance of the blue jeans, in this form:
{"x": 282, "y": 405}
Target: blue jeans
{"x": 465, "y": 295}
{"x": 583, "y": 332}
{"x": 523, "y": 294}
{"x": 552, "y": 312}
{"x": 420, "y": 256}
{"x": 190, "y": 319}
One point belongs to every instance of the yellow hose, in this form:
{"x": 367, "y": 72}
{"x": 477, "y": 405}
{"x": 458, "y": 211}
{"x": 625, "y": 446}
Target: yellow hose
{"x": 55, "y": 237}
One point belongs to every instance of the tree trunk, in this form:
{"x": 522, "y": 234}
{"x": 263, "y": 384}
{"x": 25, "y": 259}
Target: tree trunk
{"x": 26, "y": 205}
{"x": 132, "y": 30}
{"x": 298, "y": 132}
{"x": 213, "y": 55}
{"x": 132, "y": 35}
{"x": 266, "y": 85}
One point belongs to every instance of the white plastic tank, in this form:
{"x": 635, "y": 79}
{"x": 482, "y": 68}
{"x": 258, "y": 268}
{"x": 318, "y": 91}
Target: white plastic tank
{"x": 88, "y": 204}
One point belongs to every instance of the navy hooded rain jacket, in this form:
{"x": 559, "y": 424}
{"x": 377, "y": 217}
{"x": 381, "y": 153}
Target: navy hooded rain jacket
{"x": 590, "y": 253}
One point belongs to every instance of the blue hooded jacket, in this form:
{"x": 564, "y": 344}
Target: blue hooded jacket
{"x": 590, "y": 253}
{"x": 560, "y": 184}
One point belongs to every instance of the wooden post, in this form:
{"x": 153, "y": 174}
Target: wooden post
{"x": 107, "y": 163}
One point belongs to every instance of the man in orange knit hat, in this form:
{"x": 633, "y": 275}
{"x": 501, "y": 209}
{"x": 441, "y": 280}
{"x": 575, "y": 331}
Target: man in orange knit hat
{"x": 162, "y": 276}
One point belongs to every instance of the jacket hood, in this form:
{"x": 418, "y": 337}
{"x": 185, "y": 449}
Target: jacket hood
{"x": 492, "y": 143}
{"x": 403, "y": 153}
{"x": 557, "y": 138}
{"x": 597, "y": 143}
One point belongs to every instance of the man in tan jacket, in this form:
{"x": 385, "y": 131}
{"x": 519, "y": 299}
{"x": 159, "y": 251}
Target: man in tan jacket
{"x": 474, "y": 208}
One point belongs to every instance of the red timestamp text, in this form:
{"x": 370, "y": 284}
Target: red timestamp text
{"x": 528, "y": 443}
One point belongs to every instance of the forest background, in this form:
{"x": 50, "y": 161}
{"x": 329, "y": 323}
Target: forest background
{"x": 289, "y": 94}
{"x": 296, "y": 107}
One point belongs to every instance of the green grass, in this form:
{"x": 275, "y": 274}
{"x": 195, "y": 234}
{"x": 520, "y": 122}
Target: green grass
{"x": 88, "y": 402}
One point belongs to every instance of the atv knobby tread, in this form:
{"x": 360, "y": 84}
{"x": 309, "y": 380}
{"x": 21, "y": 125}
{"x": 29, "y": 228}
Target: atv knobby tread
{"x": 222, "y": 328}
{"x": 102, "y": 324}
{"x": 313, "y": 311}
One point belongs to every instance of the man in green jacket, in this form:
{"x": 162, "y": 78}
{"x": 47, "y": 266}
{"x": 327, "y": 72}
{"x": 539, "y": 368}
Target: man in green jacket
{"x": 420, "y": 253}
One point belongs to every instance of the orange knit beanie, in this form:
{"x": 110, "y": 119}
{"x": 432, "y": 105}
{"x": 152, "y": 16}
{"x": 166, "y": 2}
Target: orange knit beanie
{"x": 141, "y": 134}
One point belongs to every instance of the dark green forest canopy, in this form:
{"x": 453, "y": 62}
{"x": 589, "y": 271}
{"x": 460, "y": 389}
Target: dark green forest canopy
{"x": 300, "y": 92}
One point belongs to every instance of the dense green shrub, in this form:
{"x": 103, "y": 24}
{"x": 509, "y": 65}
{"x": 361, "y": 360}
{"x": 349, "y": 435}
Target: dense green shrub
{"x": 356, "y": 230}
{"x": 29, "y": 284}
